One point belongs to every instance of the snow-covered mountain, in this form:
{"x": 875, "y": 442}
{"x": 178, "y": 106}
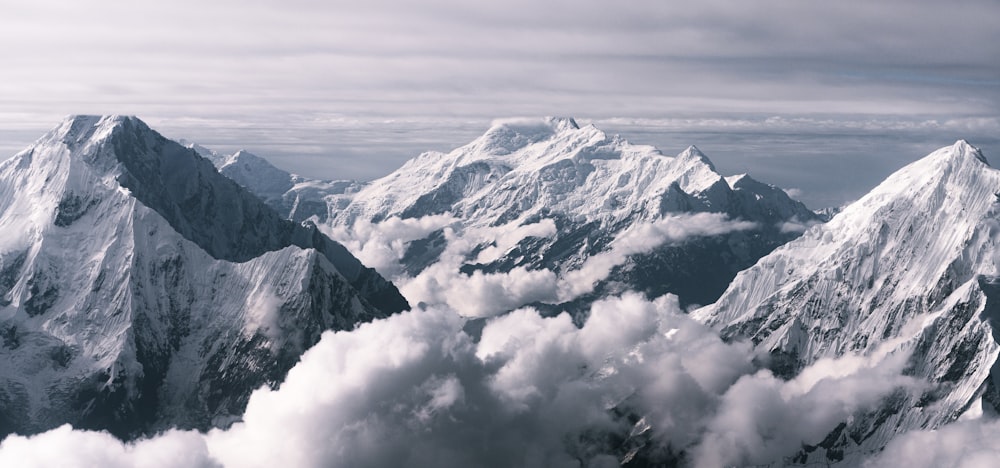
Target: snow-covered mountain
{"x": 587, "y": 188}
{"x": 909, "y": 268}
{"x": 293, "y": 196}
{"x": 549, "y": 195}
{"x": 140, "y": 289}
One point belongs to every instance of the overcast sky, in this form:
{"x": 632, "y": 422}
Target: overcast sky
{"x": 351, "y": 89}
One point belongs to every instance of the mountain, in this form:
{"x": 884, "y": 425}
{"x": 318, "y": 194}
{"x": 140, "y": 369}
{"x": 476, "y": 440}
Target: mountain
{"x": 293, "y": 196}
{"x": 909, "y": 268}
{"x": 593, "y": 188}
{"x": 140, "y": 289}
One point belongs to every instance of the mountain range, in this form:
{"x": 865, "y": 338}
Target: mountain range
{"x": 910, "y": 269}
{"x": 147, "y": 285}
{"x": 581, "y": 188}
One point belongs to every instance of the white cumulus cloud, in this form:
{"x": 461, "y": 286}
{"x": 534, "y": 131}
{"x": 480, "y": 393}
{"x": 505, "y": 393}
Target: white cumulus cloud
{"x": 420, "y": 389}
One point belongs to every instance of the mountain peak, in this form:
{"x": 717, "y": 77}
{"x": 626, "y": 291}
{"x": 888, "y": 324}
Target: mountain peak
{"x": 245, "y": 157}
{"x": 899, "y": 269}
{"x": 693, "y": 153}
{"x": 509, "y": 135}
{"x": 568, "y": 122}
{"x": 959, "y": 168}
{"x": 81, "y": 147}
{"x": 539, "y": 126}
{"x": 83, "y": 121}
{"x": 256, "y": 174}
{"x": 742, "y": 180}
{"x": 87, "y": 154}
{"x": 963, "y": 149}
{"x": 555, "y": 124}
{"x": 78, "y": 129}
{"x": 168, "y": 292}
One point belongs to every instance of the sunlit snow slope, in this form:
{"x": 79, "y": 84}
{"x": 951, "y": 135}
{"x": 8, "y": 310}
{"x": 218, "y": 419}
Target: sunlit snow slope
{"x": 140, "y": 289}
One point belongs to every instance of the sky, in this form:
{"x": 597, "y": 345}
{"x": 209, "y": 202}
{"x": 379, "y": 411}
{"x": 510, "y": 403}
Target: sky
{"x": 823, "y": 98}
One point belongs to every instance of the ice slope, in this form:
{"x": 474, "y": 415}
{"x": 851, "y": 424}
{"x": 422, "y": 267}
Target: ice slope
{"x": 139, "y": 289}
{"x": 593, "y": 187}
{"x": 911, "y": 267}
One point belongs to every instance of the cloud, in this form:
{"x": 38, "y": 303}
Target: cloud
{"x": 416, "y": 389}
{"x": 849, "y": 123}
{"x": 482, "y": 294}
{"x": 382, "y": 245}
{"x": 68, "y": 448}
{"x": 391, "y": 59}
{"x": 795, "y": 226}
{"x": 508, "y": 237}
{"x": 964, "y": 444}
{"x": 643, "y": 238}
{"x": 763, "y": 419}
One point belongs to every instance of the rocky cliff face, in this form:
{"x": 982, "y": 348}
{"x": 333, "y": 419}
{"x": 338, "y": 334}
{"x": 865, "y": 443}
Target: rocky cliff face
{"x": 140, "y": 289}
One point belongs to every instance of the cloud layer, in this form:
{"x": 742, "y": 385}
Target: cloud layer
{"x": 416, "y": 389}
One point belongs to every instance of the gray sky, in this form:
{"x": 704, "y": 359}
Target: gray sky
{"x": 788, "y": 90}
